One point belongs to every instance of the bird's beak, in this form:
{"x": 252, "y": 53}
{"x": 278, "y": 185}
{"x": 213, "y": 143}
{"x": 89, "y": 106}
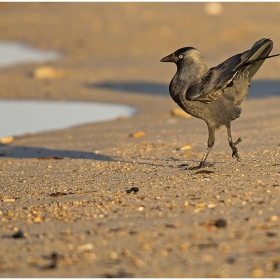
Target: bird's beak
{"x": 169, "y": 58}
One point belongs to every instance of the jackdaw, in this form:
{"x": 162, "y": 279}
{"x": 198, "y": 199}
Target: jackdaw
{"x": 215, "y": 95}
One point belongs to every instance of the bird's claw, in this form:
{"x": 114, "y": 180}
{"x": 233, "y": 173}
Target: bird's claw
{"x": 235, "y": 153}
{"x": 234, "y": 149}
{"x": 237, "y": 141}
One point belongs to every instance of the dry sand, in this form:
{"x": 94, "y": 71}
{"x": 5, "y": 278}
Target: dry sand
{"x": 74, "y": 201}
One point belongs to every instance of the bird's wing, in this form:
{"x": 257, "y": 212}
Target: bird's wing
{"x": 209, "y": 87}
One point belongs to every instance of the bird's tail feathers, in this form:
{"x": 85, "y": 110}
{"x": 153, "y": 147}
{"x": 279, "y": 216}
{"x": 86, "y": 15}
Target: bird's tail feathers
{"x": 256, "y": 56}
{"x": 259, "y": 59}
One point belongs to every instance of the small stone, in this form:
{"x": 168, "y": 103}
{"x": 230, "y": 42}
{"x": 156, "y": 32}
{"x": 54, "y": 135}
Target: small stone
{"x": 231, "y": 260}
{"x": 37, "y": 220}
{"x": 185, "y": 148}
{"x": 139, "y": 263}
{"x": 271, "y": 234}
{"x": 86, "y": 247}
{"x": 186, "y": 203}
{"x": 180, "y": 113}
{"x": 272, "y": 219}
{"x": 141, "y": 208}
{"x": 18, "y": 234}
{"x": 211, "y": 205}
{"x": 201, "y": 204}
{"x": 58, "y": 194}
{"x": 138, "y": 134}
{"x": 185, "y": 246}
{"x": 114, "y": 255}
{"x": 221, "y": 223}
{"x": 132, "y": 190}
{"x": 146, "y": 247}
{"x": 9, "y": 200}
{"x": 47, "y": 72}
{"x": 256, "y": 273}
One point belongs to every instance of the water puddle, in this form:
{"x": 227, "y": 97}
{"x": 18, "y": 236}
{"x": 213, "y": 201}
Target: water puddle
{"x": 23, "y": 116}
{"x": 13, "y": 53}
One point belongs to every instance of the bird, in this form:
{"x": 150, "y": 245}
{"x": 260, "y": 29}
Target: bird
{"x": 215, "y": 94}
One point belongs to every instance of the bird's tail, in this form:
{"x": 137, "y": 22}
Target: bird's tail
{"x": 256, "y": 56}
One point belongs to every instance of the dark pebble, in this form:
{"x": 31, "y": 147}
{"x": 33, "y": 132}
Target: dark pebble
{"x": 58, "y": 194}
{"x": 220, "y": 223}
{"x": 231, "y": 260}
{"x": 18, "y": 234}
{"x": 133, "y": 189}
{"x": 271, "y": 234}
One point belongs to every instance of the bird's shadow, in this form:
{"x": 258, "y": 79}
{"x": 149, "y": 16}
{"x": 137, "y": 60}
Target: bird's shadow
{"x": 131, "y": 87}
{"x": 40, "y": 153}
{"x": 44, "y": 153}
{"x": 258, "y": 89}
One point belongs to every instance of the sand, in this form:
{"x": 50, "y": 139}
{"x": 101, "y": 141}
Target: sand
{"x": 94, "y": 201}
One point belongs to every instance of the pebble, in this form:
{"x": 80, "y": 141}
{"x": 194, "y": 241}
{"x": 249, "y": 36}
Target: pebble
{"x": 18, "y": 234}
{"x": 37, "y": 220}
{"x": 138, "y": 134}
{"x": 58, "y": 194}
{"x": 132, "y": 190}
{"x": 272, "y": 219}
{"x": 211, "y": 205}
{"x": 201, "y": 204}
{"x": 256, "y": 273}
{"x": 185, "y": 148}
{"x": 114, "y": 255}
{"x": 271, "y": 234}
{"x": 9, "y": 200}
{"x": 85, "y": 247}
{"x": 220, "y": 223}
{"x": 180, "y": 113}
{"x": 47, "y": 72}
{"x": 185, "y": 246}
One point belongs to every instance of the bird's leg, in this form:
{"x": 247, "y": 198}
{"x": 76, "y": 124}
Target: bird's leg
{"x": 210, "y": 144}
{"x": 233, "y": 144}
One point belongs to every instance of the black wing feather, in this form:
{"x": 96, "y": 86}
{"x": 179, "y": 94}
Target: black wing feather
{"x": 220, "y": 76}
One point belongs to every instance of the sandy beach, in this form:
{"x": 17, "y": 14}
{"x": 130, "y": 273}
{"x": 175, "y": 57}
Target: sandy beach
{"x": 113, "y": 198}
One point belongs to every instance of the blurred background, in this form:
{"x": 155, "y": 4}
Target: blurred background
{"x": 116, "y": 47}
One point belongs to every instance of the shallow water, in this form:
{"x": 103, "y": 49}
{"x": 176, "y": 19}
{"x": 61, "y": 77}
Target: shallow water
{"x": 23, "y": 116}
{"x": 14, "y": 53}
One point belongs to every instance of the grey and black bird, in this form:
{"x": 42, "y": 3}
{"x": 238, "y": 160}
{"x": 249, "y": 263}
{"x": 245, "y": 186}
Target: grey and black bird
{"x": 215, "y": 95}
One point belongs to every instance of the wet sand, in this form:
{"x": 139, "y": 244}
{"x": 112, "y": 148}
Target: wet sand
{"x": 112, "y": 205}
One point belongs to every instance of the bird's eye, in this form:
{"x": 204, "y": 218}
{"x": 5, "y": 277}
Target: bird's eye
{"x": 180, "y": 56}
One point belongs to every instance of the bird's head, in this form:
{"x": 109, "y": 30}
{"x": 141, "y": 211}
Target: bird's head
{"x": 187, "y": 54}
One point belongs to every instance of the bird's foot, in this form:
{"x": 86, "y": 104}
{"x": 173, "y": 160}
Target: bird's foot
{"x": 234, "y": 149}
{"x": 235, "y": 153}
{"x": 201, "y": 165}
